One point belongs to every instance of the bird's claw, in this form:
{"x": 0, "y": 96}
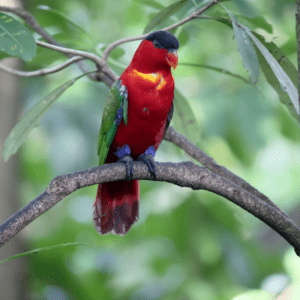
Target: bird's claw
{"x": 128, "y": 161}
{"x": 149, "y": 161}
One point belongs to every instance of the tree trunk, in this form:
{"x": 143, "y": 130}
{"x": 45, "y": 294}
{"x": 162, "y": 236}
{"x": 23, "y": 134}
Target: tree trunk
{"x": 12, "y": 273}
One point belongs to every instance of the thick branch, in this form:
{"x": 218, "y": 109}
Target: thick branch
{"x": 194, "y": 15}
{"x": 173, "y": 136}
{"x": 182, "y": 142}
{"x": 185, "y": 174}
{"x": 41, "y": 72}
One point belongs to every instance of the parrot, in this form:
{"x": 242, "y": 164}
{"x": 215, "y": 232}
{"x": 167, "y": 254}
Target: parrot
{"x": 136, "y": 115}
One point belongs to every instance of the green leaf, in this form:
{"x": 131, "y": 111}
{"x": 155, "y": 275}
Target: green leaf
{"x": 220, "y": 70}
{"x": 183, "y": 37}
{"x": 260, "y": 22}
{"x": 15, "y": 39}
{"x": 287, "y": 67}
{"x": 63, "y": 29}
{"x": 44, "y": 55}
{"x": 289, "y": 47}
{"x": 32, "y": 119}
{"x": 164, "y": 14}
{"x": 257, "y": 22}
{"x": 245, "y": 8}
{"x": 150, "y": 3}
{"x": 281, "y": 59}
{"x": 285, "y": 81}
{"x": 222, "y": 20}
{"x": 246, "y": 49}
{"x": 185, "y": 120}
{"x": 61, "y": 19}
{"x": 3, "y": 54}
{"x": 117, "y": 53}
{"x": 35, "y": 251}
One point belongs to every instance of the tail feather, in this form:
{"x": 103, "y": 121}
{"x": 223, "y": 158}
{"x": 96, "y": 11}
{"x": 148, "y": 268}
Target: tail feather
{"x": 116, "y": 206}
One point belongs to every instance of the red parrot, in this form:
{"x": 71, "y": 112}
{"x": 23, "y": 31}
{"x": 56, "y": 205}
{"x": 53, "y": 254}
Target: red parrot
{"x": 137, "y": 113}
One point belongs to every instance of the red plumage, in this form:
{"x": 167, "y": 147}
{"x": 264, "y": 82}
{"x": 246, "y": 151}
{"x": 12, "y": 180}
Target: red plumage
{"x": 150, "y": 87}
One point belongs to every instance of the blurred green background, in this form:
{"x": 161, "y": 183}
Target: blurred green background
{"x": 187, "y": 244}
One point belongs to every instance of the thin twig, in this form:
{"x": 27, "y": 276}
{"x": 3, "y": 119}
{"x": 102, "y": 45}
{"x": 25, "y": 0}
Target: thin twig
{"x": 185, "y": 174}
{"x": 108, "y": 78}
{"x": 41, "y": 72}
{"x": 185, "y": 20}
{"x": 85, "y": 54}
{"x": 112, "y": 77}
{"x": 194, "y": 15}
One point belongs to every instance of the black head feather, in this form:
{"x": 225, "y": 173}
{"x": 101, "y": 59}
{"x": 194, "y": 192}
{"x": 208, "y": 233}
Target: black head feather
{"x": 163, "y": 39}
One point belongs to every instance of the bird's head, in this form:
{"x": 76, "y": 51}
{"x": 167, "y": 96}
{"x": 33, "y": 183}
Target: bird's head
{"x": 157, "y": 51}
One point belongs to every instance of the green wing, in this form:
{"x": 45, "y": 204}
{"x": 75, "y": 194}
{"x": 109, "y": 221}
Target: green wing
{"x": 115, "y": 108}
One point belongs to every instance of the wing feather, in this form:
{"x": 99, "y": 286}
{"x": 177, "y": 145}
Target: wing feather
{"x": 113, "y": 112}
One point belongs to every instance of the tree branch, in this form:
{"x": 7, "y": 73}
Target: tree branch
{"x": 185, "y": 174}
{"x": 35, "y": 26}
{"x": 41, "y": 72}
{"x": 73, "y": 52}
{"x": 185, "y": 20}
{"x": 106, "y": 74}
{"x": 182, "y": 142}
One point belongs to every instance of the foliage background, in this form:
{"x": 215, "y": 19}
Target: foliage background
{"x": 186, "y": 245}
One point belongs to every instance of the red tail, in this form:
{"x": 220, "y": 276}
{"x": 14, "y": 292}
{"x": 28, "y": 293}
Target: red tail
{"x": 116, "y": 206}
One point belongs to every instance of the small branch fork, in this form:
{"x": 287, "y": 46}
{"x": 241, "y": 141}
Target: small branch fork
{"x": 218, "y": 180}
{"x": 105, "y": 74}
{"x": 183, "y": 21}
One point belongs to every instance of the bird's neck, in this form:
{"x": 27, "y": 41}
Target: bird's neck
{"x": 149, "y": 66}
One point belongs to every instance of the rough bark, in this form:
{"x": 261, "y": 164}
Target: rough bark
{"x": 12, "y": 273}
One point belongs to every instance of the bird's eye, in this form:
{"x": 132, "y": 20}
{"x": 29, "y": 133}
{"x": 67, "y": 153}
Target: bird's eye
{"x": 156, "y": 44}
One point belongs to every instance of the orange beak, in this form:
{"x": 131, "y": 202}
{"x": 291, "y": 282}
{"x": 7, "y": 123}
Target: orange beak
{"x": 172, "y": 59}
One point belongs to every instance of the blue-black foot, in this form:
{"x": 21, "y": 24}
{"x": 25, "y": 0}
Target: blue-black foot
{"x": 148, "y": 159}
{"x": 128, "y": 161}
{"x": 123, "y": 154}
